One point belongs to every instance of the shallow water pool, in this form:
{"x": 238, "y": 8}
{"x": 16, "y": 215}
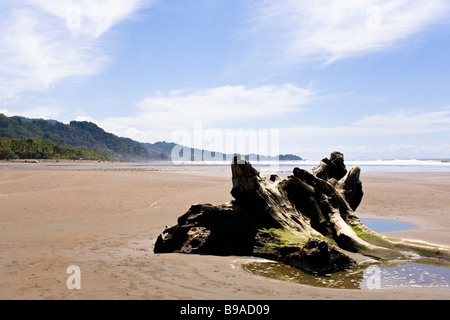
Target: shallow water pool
{"x": 378, "y": 225}
{"x": 361, "y": 278}
{"x": 427, "y": 273}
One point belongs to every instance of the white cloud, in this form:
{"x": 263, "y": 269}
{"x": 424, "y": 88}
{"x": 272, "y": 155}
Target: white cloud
{"x": 237, "y": 103}
{"x": 42, "y": 42}
{"x": 160, "y": 114}
{"x": 298, "y": 31}
{"x": 38, "y": 112}
{"x": 407, "y": 121}
{"x": 387, "y": 135}
{"x": 93, "y": 18}
{"x": 399, "y": 122}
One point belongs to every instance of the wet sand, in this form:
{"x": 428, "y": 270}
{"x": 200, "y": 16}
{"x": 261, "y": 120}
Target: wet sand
{"x": 106, "y": 219}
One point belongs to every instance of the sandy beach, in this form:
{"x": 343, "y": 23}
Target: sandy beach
{"x": 106, "y": 219}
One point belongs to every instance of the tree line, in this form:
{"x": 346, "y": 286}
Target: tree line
{"x": 23, "y": 148}
{"x": 80, "y": 134}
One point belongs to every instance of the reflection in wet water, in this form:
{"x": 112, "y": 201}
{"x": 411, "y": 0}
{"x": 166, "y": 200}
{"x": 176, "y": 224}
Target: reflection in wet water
{"x": 365, "y": 278}
{"x": 407, "y": 275}
{"x": 430, "y": 273}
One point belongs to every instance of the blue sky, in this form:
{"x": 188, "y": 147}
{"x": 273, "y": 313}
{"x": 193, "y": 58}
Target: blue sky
{"x": 369, "y": 78}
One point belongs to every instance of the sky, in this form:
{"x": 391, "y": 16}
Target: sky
{"x": 369, "y": 78}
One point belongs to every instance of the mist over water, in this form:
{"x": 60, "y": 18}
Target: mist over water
{"x": 371, "y": 165}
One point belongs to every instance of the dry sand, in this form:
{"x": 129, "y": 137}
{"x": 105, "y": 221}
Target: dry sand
{"x": 105, "y": 220}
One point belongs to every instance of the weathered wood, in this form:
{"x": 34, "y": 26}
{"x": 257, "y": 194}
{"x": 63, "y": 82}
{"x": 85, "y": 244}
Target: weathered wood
{"x": 307, "y": 220}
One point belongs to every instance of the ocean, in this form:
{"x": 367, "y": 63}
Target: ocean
{"x": 412, "y": 165}
{"x": 264, "y": 167}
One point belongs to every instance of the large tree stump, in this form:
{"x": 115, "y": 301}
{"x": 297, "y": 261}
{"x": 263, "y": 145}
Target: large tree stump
{"x": 307, "y": 220}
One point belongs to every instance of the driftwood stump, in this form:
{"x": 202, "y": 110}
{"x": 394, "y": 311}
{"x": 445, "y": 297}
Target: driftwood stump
{"x": 307, "y": 220}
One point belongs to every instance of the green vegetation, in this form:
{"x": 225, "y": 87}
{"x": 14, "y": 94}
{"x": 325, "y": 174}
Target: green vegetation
{"x": 390, "y": 244}
{"x": 289, "y": 157}
{"x": 80, "y": 134}
{"x": 87, "y": 135}
{"x": 279, "y": 238}
{"x": 371, "y": 236}
{"x": 12, "y": 148}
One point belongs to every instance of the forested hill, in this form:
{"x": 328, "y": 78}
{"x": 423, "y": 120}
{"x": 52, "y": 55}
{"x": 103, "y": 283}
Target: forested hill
{"x": 22, "y": 148}
{"x": 77, "y": 134}
{"x": 83, "y": 134}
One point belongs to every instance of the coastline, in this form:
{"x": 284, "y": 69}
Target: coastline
{"x": 106, "y": 219}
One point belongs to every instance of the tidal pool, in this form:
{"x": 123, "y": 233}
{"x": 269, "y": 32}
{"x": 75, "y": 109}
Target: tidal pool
{"x": 378, "y": 225}
{"x": 419, "y": 273}
{"x": 363, "y": 278}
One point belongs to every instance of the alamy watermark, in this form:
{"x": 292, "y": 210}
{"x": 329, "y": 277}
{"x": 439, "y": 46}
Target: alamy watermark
{"x": 221, "y": 145}
{"x": 371, "y": 278}
{"x": 373, "y": 22}
{"x": 73, "y": 21}
{"x": 74, "y": 280}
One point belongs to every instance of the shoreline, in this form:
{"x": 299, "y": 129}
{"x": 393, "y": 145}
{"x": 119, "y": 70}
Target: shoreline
{"x": 107, "y": 221}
